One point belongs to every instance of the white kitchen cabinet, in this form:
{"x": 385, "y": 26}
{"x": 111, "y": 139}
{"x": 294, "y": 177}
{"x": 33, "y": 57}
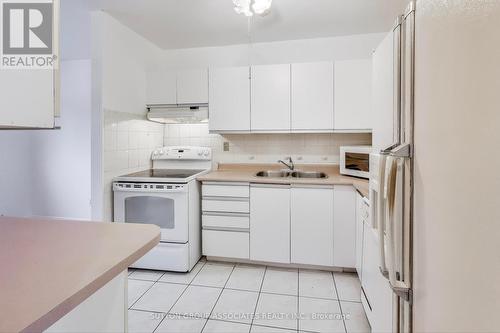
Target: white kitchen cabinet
{"x": 229, "y": 244}
{"x": 27, "y": 98}
{"x": 229, "y": 95}
{"x": 353, "y": 95}
{"x": 312, "y": 96}
{"x": 312, "y": 216}
{"x": 270, "y": 223}
{"x": 225, "y": 220}
{"x": 344, "y": 228}
{"x": 161, "y": 87}
{"x": 192, "y": 86}
{"x": 270, "y": 96}
{"x": 103, "y": 311}
{"x": 30, "y": 98}
{"x": 189, "y": 86}
{"x": 362, "y": 211}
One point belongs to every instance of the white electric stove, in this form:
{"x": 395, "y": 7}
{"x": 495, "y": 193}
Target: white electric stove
{"x": 169, "y": 196}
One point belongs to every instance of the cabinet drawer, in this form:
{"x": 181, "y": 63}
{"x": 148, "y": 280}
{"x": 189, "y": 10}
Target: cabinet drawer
{"x": 227, "y": 244}
{"x": 240, "y": 221}
{"x": 232, "y": 191}
{"x": 230, "y": 206}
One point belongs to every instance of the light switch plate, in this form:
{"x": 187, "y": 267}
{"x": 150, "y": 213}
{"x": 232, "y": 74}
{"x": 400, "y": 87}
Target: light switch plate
{"x": 226, "y": 146}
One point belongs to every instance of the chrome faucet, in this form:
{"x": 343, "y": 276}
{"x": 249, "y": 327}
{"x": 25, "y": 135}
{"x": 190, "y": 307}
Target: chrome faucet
{"x": 290, "y": 166}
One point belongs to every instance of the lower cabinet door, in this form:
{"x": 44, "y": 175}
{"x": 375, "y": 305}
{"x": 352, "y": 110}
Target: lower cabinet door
{"x": 103, "y": 311}
{"x": 227, "y": 244}
{"x": 270, "y": 223}
{"x": 344, "y": 241}
{"x": 312, "y": 226}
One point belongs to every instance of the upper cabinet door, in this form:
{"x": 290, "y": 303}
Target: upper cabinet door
{"x": 192, "y": 86}
{"x": 270, "y": 98}
{"x": 27, "y": 98}
{"x": 312, "y": 96}
{"x": 353, "y": 95}
{"x": 161, "y": 87}
{"x": 29, "y": 75}
{"x": 229, "y": 108}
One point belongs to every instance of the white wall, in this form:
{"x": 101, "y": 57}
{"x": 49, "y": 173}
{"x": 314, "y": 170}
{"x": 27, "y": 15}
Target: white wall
{"x": 120, "y": 58}
{"x": 75, "y": 30}
{"x": 61, "y": 158}
{"x": 15, "y": 173}
{"x": 306, "y": 50}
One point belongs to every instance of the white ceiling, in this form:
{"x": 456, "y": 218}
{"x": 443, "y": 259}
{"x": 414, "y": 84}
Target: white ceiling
{"x": 173, "y": 24}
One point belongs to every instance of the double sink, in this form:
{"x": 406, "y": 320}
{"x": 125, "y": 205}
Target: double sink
{"x": 290, "y": 173}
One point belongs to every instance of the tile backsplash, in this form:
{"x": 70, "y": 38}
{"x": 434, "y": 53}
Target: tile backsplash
{"x": 264, "y": 148}
{"x": 128, "y": 142}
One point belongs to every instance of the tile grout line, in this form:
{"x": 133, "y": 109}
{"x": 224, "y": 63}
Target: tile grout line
{"x": 258, "y": 297}
{"x": 220, "y": 294}
{"x": 260, "y": 292}
{"x": 137, "y": 300}
{"x": 147, "y": 311}
{"x": 166, "y": 314}
{"x": 340, "y": 304}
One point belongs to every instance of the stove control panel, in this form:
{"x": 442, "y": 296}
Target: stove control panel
{"x": 182, "y": 153}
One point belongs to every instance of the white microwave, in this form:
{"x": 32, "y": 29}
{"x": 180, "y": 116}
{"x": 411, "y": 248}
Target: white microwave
{"x": 355, "y": 161}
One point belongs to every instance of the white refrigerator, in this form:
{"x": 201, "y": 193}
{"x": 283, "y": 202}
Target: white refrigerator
{"x": 391, "y": 183}
{"x": 434, "y": 180}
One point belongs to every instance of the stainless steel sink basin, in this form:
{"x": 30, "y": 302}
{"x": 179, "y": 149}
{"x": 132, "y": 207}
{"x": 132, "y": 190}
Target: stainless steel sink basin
{"x": 273, "y": 174}
{"x": 309, "y": 174}
{"x": 294, "y": 174}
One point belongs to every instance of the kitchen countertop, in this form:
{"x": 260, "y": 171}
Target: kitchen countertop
{"x": 48, "y": 267}
{"x": 245, "y": 173}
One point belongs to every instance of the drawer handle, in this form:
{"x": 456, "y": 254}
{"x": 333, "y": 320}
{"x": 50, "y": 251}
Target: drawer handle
{"x": 225, "y": 199}
{"x": 226, "y": 214}
{"x": 242, "y": 230}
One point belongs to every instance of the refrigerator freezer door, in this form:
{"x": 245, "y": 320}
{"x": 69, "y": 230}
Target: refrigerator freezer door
{"x": 383, "y": 94}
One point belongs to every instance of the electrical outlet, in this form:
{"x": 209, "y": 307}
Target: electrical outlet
{"x": 226, "y": 146}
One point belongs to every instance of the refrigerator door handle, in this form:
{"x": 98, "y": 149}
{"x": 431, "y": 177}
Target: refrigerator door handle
{"x": 381, "y": 217}
{"x": 403, "y": 150}
{"x": 395, "y": 166}
{"x": 390, "y": 198}
{"x": 403, "y": 290}
{"x": 388, "y": 150}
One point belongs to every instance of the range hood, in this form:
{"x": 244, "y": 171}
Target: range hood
{"x": 178, "y": 113}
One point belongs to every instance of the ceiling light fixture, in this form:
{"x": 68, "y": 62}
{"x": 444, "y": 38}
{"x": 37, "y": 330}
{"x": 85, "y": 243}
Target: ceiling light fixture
{"x": 251, "y": 7}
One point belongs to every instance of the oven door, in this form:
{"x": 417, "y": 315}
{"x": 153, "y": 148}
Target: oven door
{"x": 165, "y": 205}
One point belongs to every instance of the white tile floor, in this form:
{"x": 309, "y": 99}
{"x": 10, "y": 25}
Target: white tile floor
{"x": 222, "y": 297}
